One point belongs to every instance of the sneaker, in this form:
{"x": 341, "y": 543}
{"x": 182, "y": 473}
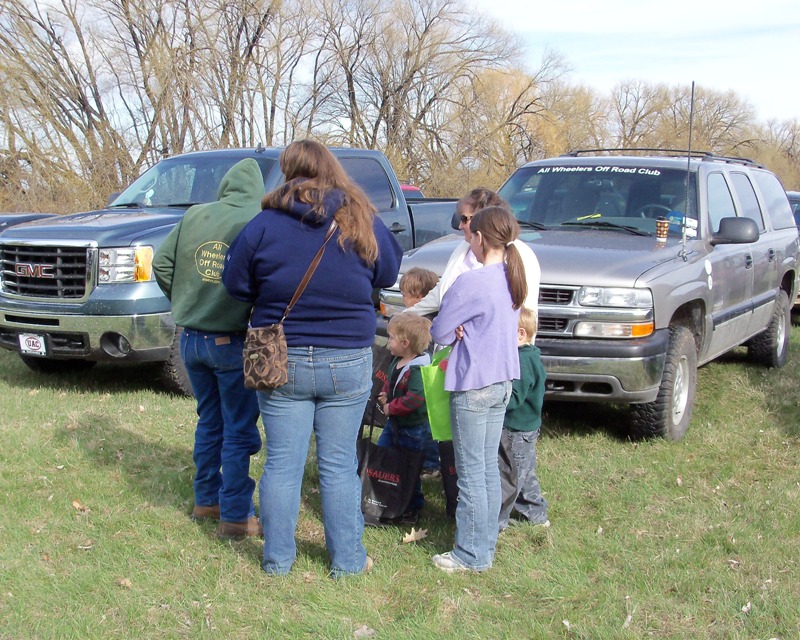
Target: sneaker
{"x": 447, "y": 563}
{"x": 368, "y": 566}
{"x": 238, "y": 530}
{"x": 532, "y": 523}
{"x": 205, "y": 513}
{"x": 430, "y": 474}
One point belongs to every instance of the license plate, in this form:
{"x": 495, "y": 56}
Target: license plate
{"x": 32, "y": 344}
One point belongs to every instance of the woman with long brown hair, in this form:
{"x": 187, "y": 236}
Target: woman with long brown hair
{"x": 329, "y": 334}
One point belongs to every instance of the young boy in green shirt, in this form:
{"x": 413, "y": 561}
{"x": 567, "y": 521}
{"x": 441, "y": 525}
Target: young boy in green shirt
{"x": 521, "y": 491}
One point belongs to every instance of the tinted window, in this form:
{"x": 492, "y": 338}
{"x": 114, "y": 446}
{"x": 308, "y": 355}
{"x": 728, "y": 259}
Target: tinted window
{"x": 720, "y": 202}
{"x": 775, "y": 199}
{"x": 628, "y": 195}
{"x": 371, "y": 177}
{"x": 747, "y": 198}
{"x": 184, "y": 181}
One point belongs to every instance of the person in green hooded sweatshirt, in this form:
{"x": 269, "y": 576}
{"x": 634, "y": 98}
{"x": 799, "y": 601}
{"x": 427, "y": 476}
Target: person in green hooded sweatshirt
{"x": 188, "y": 268}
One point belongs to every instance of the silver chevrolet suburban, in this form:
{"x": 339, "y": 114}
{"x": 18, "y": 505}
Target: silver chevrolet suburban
{"x": 627, "y": 315}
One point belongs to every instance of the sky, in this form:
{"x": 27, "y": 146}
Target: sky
{"x": 752, "y": 48}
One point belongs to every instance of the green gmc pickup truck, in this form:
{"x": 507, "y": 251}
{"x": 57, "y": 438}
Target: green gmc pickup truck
{"x": 626, "y": 316}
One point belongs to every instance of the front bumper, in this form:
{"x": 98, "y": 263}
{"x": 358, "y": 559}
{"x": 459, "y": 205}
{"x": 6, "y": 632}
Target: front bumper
{"x": 139, "y": 338}
{"x": 624, "y": 371}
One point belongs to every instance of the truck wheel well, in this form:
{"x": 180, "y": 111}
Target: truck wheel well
{"x": 691, "y": 315}
{"x": 787, "y": 284}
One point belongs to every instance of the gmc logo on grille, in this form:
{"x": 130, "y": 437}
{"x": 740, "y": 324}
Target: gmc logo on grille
{"x": 30, "y": 270}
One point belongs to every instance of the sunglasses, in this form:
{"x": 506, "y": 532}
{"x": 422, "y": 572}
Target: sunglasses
{"x": 465, "y": 219}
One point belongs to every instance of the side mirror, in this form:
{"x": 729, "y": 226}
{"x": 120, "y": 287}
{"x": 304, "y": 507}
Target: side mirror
{"x": 455, "y": 221}
{"x": 736, "y": 231}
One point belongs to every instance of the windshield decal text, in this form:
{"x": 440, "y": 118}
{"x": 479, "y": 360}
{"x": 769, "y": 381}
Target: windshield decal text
{"x": 601, "y": 169}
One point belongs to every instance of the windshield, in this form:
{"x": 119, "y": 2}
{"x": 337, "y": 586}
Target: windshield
{"x": 629, "y": 197}
{"x": 183, "y": 181}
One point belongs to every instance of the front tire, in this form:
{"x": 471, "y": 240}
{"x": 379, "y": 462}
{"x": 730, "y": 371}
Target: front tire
{"x": 173, "y": 373}
{"x": 668, "y": 416}
{"x": 771, "y": 346}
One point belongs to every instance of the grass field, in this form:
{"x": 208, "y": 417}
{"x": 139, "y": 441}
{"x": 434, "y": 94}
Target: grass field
{"x": 696, "y": 539}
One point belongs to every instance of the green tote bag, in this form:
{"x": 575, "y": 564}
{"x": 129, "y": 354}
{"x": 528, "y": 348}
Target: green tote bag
{"x": 437, "y": 400}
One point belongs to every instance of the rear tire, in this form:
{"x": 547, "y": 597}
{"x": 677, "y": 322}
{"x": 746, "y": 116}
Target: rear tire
{"x": 50, "y": 366}
{"x": 173, "y": 373}
{"x": 668, "y": 416}
{"x": 771, "y": 346}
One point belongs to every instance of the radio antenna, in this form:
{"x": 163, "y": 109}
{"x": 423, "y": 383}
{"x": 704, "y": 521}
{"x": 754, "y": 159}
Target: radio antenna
{"x": 688, "y": 175}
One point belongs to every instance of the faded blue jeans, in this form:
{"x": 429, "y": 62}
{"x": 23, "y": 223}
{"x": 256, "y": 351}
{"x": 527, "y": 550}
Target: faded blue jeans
{"x": 477, "y": 422}
{"x": 227, "y": 415}
{"x": 326, "y": 395}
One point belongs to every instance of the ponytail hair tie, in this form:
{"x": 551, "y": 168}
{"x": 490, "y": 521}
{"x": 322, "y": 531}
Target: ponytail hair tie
{"x": 508, "y": 244}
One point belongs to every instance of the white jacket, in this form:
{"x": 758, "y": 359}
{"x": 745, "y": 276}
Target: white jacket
{"x": 533, "y": 273}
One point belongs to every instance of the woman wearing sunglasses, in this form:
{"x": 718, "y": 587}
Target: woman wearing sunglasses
{"x": 463, "y": 259}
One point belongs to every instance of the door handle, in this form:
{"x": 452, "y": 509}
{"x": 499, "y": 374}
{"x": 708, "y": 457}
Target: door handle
{"x": 771, "y": 255}
{"x": 397, "y": 228}
{"x": 748, "y": 261}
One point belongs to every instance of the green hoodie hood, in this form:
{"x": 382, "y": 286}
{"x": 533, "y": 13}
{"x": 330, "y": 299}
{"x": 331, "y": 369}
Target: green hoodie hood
{"x": 188, "y": 266}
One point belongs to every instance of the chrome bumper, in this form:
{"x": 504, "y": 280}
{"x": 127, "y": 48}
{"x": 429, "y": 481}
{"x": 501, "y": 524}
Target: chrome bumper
{"x": 623, "y": 380}
{"x": 95, "y": 338}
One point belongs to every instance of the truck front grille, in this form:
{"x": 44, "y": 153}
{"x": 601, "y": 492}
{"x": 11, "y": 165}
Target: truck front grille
{"x": 552, "y": 325}
{"x": 555, "y": 295}
{"x": 44, "y": 272}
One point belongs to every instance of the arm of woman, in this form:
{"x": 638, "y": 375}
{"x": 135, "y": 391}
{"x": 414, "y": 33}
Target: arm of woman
{"x": 237, "y": 273}
{"x": 387, "y": 264}
{"x": 458, "y": 306}
{"x": 430, "y": 303}
{"x": 433, "y": 300}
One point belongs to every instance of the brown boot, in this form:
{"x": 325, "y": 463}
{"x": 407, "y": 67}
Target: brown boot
{"x": 238, "y": 530}
{"x": 205, "y": 513}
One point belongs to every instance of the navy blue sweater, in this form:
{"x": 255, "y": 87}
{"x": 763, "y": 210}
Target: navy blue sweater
{"x": 267, "y": 260}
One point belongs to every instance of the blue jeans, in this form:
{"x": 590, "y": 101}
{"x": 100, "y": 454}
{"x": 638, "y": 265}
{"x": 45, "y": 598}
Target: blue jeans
{"x": 412, "y": 438}
{"x": 477, "y": 420}
{"x": 226, "y": 434}
{"x": 326, "y": 395}
{"x": 521, "y": 490}
{"x": 431, "y": 462}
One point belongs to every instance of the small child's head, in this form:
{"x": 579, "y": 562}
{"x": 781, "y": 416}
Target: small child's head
{"x": 409, "y": 334}
{"x": 415, "y": 284}
{"x": 526, "y": 330}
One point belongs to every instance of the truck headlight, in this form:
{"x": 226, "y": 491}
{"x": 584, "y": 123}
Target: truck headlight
{"x": 131, "y": 264}
{"x": 615, "y": 297}
{"x": 613, "y": 329}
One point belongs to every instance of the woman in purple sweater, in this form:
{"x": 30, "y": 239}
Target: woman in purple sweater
{"x": 478, "y": 316}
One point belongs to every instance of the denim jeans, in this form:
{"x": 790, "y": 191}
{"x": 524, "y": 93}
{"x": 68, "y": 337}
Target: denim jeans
{"x": 431, "y": 462}
{"x": 521, "y": 490}
{"x": 326, "y": 394}
{"x": 477, "y": 421}
{"x": 226, "y": 434}
{"x": 412, "y": 438}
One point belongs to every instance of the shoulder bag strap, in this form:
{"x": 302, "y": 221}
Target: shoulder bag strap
{"x": 310, "y": 271}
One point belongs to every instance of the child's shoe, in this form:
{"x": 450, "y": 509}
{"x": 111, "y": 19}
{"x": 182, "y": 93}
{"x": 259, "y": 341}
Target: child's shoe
{"x": 410, "y": 517}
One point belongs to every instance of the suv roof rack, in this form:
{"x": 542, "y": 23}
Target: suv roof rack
{"x": 703, "y": 155}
